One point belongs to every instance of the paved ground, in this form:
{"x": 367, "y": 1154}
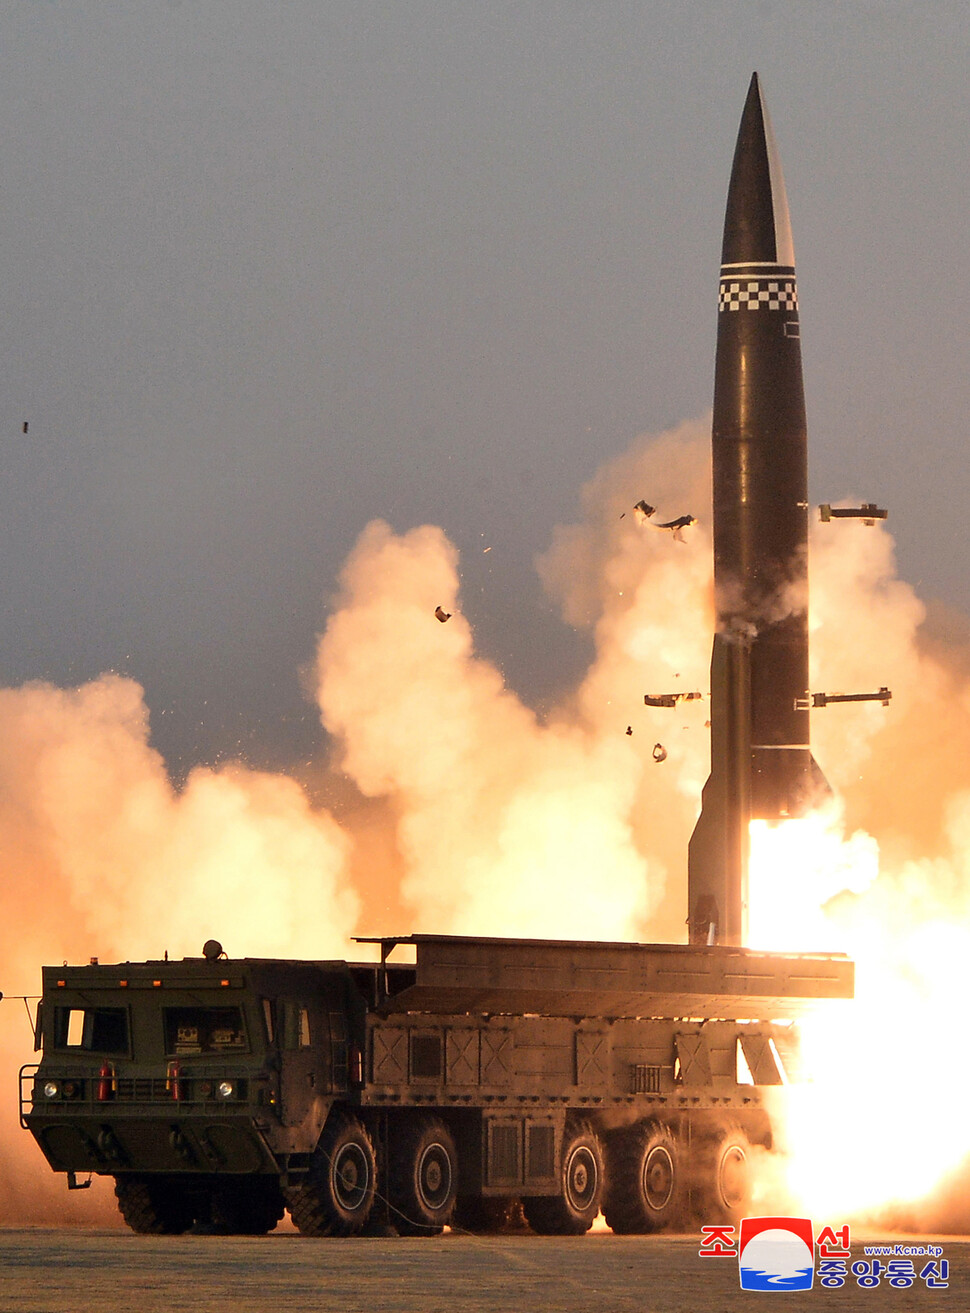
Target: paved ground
{"x": 83, "y": 1271}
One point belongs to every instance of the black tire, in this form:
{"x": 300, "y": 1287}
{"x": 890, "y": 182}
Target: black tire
{"x": 582, "y": 1177}
{"x": 481, "y": 1216}
{"x": 338, "y": 1196}
{"x": 154, "y": 1207}
{"x": 423, "y": 1182}
{"x": 721, "y": 1177}
{"x": 246, "y": 1205}
{"x": 648, "y": 1182}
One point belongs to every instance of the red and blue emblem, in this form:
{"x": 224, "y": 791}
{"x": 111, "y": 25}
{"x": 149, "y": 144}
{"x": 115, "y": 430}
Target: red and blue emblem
{"x": 776, "y": 1253}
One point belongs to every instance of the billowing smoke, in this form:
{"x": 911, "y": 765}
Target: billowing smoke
{"x": 102, "y": 857}
{"x": 496, "y": 810}
{"x": 474, "y": 815}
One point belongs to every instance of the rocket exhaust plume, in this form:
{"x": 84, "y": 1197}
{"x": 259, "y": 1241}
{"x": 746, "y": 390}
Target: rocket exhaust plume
{"x": 761, "y": 762}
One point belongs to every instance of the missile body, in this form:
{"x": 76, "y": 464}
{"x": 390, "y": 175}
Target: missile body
{"x": 761, "y": 761}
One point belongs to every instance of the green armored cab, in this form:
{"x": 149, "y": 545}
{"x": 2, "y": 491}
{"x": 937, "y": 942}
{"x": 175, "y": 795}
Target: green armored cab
{"x": 567, "y": 1077}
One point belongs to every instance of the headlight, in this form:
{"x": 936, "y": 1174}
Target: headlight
{"x": 51, "y": 1089}
{"x": 226, "y": 1089}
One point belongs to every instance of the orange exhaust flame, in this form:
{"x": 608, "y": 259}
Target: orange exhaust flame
{"x": 876, "y": 1130}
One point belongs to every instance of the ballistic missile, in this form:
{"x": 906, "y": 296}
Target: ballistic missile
{"x": 761, "y": 760}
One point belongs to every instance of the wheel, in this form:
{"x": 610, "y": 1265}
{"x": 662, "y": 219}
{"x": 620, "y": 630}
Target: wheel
{"x": 338, "y": 1194}
{"x": 487, "y": 1216}
{"x": 246, "y": 1206}
{"x": 647, "y": 1181}
{"x": 423, "y": 1177}
{"x": 572, "y": 1211}
{"x": 154, "y": 1207}
{"x": 722, "y": 1176}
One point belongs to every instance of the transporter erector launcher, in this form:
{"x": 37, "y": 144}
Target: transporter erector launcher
{"x": 761, "y": 762}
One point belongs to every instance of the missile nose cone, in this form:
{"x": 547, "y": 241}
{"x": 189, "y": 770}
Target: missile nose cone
{"x": 757, "y": 229}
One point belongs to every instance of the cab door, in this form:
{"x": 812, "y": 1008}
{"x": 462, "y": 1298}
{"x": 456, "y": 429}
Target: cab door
{"x": 313, "y": 1042}
{"x": 303, "y": 1075}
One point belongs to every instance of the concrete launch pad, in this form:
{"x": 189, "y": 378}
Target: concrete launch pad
{"x": 80, "y": 1271}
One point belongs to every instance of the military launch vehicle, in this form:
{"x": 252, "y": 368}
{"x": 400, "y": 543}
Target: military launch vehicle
{"x": 492, "y": 1076}
{"x": 565, "y": 1076}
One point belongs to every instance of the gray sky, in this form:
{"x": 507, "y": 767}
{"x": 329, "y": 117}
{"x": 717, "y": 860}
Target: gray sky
{"x": 270, "y": 270}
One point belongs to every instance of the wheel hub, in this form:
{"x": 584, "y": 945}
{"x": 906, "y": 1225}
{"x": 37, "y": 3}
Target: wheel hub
{"x": 658, "y": 1177}
{"x": 350, "y": 1176}
{"x": 434, "y": 1176}
{"x": 581, "y": 1178}
{"x": 733, "y": 1176}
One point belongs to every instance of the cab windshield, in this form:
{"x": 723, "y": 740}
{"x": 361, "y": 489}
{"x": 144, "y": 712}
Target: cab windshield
{"x": 204, "y": 1030}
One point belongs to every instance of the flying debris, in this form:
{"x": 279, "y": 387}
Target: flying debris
{"x": 441, "y": 614}
{"x": 868, "y": 513}
{"x": 676, "y": 526}
{"x": 26, "y": 425}
{"x": 659, "y": 752}
{"x": 629, "y": 730}
{"x": 642, "y": 511}
{"x": 668, "y": 699}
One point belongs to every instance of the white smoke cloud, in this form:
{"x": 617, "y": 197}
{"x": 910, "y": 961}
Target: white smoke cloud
{"x": 505, "y": 824}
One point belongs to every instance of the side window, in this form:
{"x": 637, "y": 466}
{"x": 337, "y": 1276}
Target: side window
{"x": 95, "y": 1030}
{"x": 296, "y": 1024}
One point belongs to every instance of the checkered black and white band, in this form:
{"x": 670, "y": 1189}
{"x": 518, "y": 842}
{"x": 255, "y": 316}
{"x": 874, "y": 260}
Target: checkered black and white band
{"x": 758, "y": 294}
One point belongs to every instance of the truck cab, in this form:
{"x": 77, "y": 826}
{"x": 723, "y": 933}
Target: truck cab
{"x": 198, "y": 1081}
